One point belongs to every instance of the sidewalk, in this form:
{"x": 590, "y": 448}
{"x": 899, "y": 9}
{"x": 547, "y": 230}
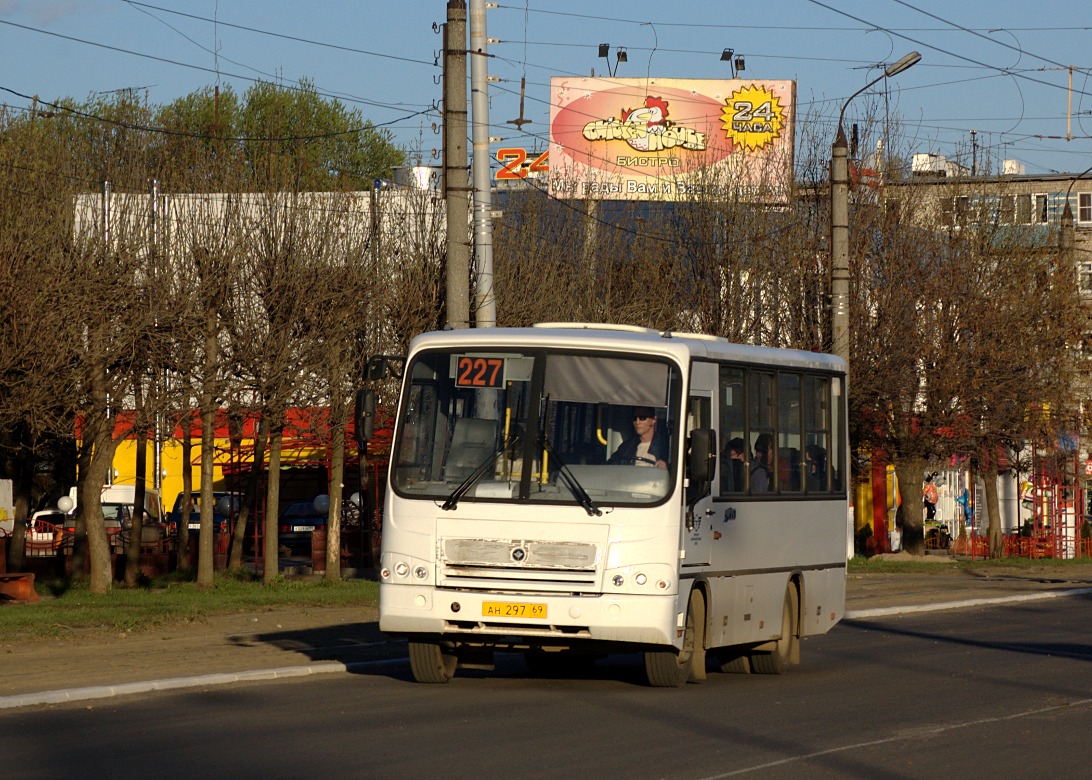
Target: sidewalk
{"x": 288, "y": 643}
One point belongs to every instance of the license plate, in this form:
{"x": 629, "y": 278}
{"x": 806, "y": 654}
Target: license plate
{"x": 513, "y": 609}
{"x": 297, "y": 528}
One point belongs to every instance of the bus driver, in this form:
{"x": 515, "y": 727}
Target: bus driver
{"x": 644, "y": 448}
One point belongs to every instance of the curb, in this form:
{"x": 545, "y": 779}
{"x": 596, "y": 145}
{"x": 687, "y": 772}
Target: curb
{"x": 173, "y": 683}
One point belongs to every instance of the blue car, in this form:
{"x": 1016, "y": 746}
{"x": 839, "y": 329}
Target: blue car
{"x": 220, "y": 520}
{"x": 296, "y": 522}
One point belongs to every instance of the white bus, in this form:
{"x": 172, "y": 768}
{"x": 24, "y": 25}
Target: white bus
{"x": 530, "y": 509}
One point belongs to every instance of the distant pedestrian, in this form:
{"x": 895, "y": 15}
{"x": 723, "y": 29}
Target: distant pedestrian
{"x": 930, "y": 496}
{"x": 964, "y": 500}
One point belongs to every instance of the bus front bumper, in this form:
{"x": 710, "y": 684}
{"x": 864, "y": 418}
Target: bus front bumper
{"x": 523, "y": 620}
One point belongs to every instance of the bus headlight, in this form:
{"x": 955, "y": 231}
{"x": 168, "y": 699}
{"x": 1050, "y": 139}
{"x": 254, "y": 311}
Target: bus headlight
{"x": 641, "y": 579}
{"x": 420, "y": 573}
{"x": 618, "y": 580}
{"x": 401, "y": 569}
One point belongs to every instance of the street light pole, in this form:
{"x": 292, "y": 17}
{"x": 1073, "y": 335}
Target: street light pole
{"x": 839, "y": 220}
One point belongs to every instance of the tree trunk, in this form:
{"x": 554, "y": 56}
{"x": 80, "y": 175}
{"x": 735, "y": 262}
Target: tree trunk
{"x": 989, "y": 492}
{"x": 101, "y": 461}
{"x": 336, "y": 489}
{"x": 22, "y": 469}
{"x": 270, "y": 550}
{"x": 136, "y": 530}
{"x": 911, "y": 513}
{"x": 184, "y": 561}
{"x": 249, "y": 503}
{"x": 80, "y": 568}
{"x": 89, "y": 507}
{"x": 205, "y": 563}
{"x": 367, "y": 518}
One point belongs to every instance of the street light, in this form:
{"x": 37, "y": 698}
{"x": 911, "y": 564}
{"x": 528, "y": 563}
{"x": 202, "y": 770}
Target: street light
{"x": 620, "y": 56}
{"x": 737, "y": 63}
{"x": 839, "y": 220}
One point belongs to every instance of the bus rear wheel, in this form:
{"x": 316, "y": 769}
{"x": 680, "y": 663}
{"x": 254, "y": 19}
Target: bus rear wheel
{"x": 668, "y": 669}
{"x": 432, "y": 662}
{"x": 786, "y": 650}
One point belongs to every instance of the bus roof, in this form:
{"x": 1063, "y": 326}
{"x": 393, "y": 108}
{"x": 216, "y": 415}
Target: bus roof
{"x": 627, "y": 338}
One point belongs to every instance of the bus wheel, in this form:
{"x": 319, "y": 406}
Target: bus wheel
{"x": 432, "y": 662}
{"x": 668, "y": 669}
{"x": 787, "y": 646}
{"x": 734, "y": 662}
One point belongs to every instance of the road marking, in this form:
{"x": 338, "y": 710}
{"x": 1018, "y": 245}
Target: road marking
{"x": 929, "y": 731}
{"x": 862, "y": 614}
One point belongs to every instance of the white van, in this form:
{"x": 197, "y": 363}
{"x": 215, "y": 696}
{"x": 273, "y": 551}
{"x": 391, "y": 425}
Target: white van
{"x": 117, "y": 505}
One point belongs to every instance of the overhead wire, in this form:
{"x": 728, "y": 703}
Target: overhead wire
{"x": 208, "y": 136}
{"x": 191, "y": 66}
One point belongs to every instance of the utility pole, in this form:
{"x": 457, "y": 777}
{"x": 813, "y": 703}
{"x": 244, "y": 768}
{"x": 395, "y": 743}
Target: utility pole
{"x": 839, "y": 246}
{"x": 839, "y": 220}
{"x": 485, "y": 308}
{"x": 456, "y": 182}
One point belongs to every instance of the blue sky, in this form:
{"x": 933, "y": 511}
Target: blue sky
{"x": 997, "y": 67}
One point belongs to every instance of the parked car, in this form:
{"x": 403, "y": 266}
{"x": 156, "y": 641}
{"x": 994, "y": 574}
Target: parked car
{"x": 296, "y": 523}
{"x": 117, "y": 514}
{"x": 220, "y": 519}
{"x": 117, "y": 506}
{"x": 45, "y": 531}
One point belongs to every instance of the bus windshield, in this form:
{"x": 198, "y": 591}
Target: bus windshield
{"x": 538, "y": 426}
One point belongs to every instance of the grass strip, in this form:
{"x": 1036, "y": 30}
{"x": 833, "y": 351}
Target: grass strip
{"x": 70, "y": 606}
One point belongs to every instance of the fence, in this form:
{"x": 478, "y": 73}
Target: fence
{"x": 1016, "y": 546}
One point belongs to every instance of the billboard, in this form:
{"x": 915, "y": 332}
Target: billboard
{"x": 671, "y": 139}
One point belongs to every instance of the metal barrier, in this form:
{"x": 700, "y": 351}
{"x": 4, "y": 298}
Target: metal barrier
{"x": 1017, "y": 546}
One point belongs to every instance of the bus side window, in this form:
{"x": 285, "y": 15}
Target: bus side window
{"x": 733, "y": 455}
{"x": 817, "y": 424}
{"x": 762, "y": 471}
{"x": 789, "y": 462}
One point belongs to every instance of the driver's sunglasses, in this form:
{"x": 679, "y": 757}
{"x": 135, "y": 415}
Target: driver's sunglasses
{"x": 642, "y": 417}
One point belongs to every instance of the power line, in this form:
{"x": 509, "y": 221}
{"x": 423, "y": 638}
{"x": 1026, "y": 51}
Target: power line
{"x": 206, "y": 136}
{"x": 971, "y": 60}
{"x": 282, "y": 36}
{"x": 203, "y": 69}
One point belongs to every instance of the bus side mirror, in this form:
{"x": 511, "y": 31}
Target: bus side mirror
{"x": 364, "y": 418}
{"x": 702, "y": 458}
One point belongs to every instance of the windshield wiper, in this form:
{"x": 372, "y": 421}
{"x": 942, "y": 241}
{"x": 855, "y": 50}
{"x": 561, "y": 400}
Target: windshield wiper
{"x": 460, "y": 491}
{"x": 572, "y": 483}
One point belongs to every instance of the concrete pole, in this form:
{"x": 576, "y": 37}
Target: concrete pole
{"x": 456, "y": 184}
{"x": 839, "y": 220}
{"x": 485, "y": 302}
{"x": 839, "y": 247}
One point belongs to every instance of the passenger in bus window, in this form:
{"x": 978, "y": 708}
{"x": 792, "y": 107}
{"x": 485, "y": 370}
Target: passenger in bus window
{"x": 644, "y": 448}
{"x": 816, "y": 458}
{"x": 732, "y": 465}
{"x": 760, "y": 464}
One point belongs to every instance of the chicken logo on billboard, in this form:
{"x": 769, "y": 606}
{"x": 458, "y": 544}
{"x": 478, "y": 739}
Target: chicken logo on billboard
{"x": 670, "y": 139}
{"x": 646, "y": 128}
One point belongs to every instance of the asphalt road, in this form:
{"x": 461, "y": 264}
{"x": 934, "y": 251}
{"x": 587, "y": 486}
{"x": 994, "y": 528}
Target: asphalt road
{"x": 971, "y": 693}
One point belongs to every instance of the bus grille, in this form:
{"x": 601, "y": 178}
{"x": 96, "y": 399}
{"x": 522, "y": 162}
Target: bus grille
{"x": 518, "y": 564}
